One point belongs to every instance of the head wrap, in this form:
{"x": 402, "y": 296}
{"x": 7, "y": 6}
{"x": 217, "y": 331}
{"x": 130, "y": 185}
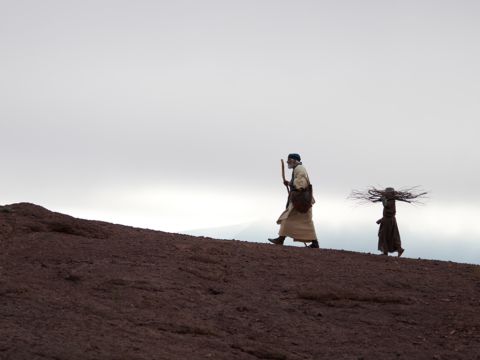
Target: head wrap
{"x": 294, "y": 157}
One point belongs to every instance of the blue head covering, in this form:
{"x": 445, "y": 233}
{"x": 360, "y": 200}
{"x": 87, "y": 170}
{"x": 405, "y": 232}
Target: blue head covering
{"x": 294, "y": 157}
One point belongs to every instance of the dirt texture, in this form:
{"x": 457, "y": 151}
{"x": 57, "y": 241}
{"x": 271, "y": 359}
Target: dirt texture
{"x": 78, "y": 289}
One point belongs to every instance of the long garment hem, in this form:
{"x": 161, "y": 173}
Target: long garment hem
{"x": 389, "y": 236}
{"x": 296, "y": 225}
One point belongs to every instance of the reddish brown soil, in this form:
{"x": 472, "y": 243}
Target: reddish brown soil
{"x": 78, "y": 289}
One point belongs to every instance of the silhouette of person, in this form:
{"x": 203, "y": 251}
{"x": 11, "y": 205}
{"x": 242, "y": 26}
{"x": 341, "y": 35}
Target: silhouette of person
{"x": 388, "y": 233}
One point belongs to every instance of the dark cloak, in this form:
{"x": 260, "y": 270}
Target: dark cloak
{"x": 388, "y": 234}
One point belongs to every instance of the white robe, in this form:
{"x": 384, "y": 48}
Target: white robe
{"x": 293, "y": 223}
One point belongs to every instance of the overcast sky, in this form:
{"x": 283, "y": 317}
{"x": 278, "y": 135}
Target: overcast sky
{"x": 175, "y": 114}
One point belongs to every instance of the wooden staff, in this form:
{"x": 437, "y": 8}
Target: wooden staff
{"x": 283, "y": 175}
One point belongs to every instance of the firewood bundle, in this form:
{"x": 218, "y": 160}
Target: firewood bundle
{"x": 412, "y": 195}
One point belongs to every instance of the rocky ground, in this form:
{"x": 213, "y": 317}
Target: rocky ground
{"x": 78, "y": 289}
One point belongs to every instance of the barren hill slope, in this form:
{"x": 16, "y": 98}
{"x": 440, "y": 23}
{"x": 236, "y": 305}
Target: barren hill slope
{"x": 78, "y": 289}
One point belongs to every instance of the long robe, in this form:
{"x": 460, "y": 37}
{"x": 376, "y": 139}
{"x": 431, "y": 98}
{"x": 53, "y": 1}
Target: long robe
{"x": 293, "y": 223}
{"x": 388, "y": 234}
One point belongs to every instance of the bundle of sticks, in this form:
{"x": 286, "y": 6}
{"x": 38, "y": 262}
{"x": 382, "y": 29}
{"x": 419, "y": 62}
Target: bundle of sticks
{"x": 410, "y": 195}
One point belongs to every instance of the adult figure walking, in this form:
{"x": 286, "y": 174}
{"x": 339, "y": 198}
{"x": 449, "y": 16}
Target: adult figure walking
{"x": 294, "y": 223}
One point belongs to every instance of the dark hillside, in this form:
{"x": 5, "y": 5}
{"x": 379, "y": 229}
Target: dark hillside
{"x": 78, "y": 289}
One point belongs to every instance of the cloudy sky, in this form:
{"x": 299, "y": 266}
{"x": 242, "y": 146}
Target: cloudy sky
{"x": 174, "y": 115}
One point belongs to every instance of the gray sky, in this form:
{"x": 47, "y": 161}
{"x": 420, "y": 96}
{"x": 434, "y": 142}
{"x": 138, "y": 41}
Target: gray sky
{"x": 158, "y": 113}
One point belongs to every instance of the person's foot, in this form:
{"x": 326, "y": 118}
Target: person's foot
{"x": 400, "y": 252}
{"x": 277, "y": 241}
{"x": 314, "y": 245}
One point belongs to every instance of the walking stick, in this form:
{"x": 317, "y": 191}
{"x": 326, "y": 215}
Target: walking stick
{"x": 284, "y": 180}
{"x": 283, "y": 175}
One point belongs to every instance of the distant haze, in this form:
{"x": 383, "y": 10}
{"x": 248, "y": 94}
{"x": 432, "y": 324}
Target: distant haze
{"x": 174, "y": 114}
